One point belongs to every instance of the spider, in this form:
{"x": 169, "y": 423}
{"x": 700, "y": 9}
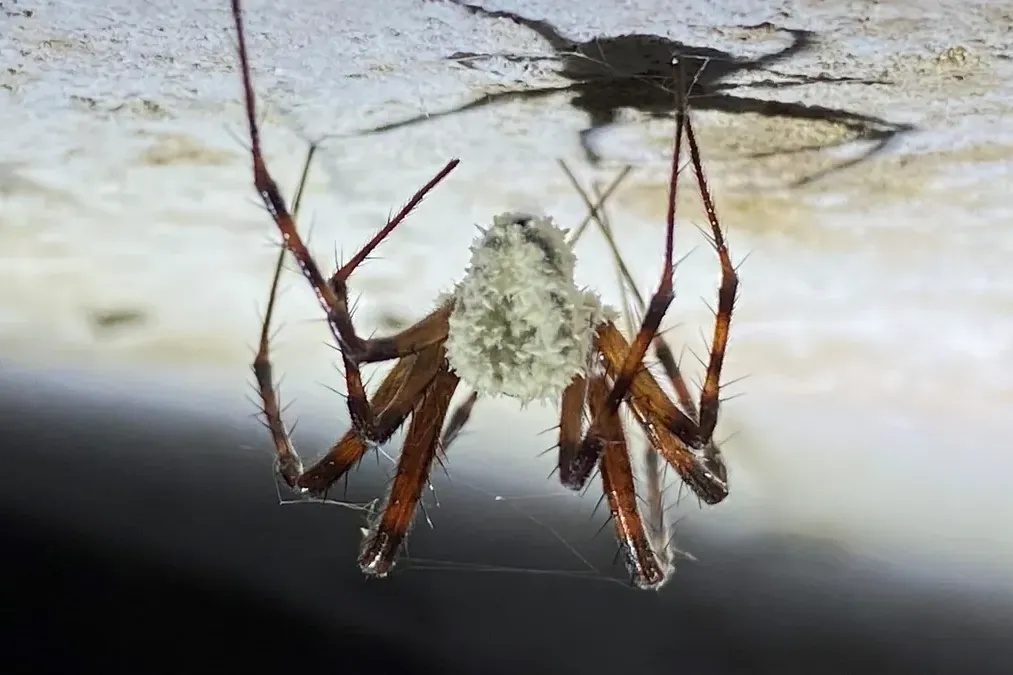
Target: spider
{"x": 515, "y": 325}
{"x": 611, "y": 72}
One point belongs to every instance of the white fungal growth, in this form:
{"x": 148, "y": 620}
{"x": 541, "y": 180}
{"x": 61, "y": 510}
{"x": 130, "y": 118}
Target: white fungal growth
{"x": 520, "y": 326}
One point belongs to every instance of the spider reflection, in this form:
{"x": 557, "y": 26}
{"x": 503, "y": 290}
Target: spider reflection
{"x": 608, "y": 73}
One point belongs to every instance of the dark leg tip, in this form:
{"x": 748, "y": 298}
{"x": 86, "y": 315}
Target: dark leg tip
{"x": 574, "y": 475}
{"x": 652, "y": 582}
{"x": 378, "y": 553}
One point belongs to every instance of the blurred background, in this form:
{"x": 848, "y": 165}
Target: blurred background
{"x": 858, "y": 153}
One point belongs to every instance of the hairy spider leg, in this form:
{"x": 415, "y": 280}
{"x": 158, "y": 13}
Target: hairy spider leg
{"x": 333, "y": 295}
{"x": 619, "y": 487}
{"x": 289, "y": 464}
{"x": 571, "y": 421}
{"x": 710, "y": 395}
{"x": 393, "y": 401}
{"x": 684, "y": 442}
{"x": 577, "y": 472}
{"x": 655, "y": 521}
{"x": 670, "y": 430}
{"x": 383, "y": 540}
{"x": 662, "y": 351}
{"x": 394, "y": 398}
{"x": 703, "y": 470}
{"x": 657, "y": 530}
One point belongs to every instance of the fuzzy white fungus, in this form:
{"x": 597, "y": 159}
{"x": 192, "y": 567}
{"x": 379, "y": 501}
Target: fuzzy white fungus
{"x": 520, "y": 326}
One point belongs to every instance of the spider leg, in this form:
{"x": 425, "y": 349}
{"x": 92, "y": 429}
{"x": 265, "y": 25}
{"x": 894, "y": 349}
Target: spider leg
{"x": 687, "y": 445}
{"x": 426, "y": 334}
{"x": 289, "y": 463}
{"x": 592, "y": 445}
{"x": 670, "y": 431}
{"x": 571, "y": 422}
{"x": 606, "y": 193}
{"x": 380, "y": 547}
{"x": 620, "y": 490}
{"x": 458, "y": 419}
{"x": 394, "y": 400}
{"x": 710, "y": 395}
{"x": 661, "y": 349}
{"x": 656, "y": 528}
{"x": 332, "y": 295}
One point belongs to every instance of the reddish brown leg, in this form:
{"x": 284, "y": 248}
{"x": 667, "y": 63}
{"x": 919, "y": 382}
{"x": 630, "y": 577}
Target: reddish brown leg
{"x": 620, "y": 490}
{"x": 593, "y": 443}
{"x": 571, "y": 422}
{"x": 332, "y": 295}
{"x": 710, "y": 396}
{"x": 394, "y": 400}
{"x": 661, "y": 349}
{"x": 383, "y": 541}
{"x": 289, "y": 464}
{"x": 670, "y": 430}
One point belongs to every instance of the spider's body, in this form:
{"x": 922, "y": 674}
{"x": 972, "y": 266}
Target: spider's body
{"x": 520, "y": 326}
{"x": 515, "y": 325}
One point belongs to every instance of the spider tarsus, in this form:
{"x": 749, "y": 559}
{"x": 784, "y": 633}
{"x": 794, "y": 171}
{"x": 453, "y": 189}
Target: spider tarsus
{"x": 576, "y": 470}
{"x": 570, "y": 426}
{"x": 703, "y": 480}
{"x": 378, "y": 552}
{"x": 290, "y": 468}
{"x": 650, "y": 579}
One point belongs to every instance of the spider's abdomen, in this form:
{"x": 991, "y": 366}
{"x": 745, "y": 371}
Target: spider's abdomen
{"x": 520, "y": 326}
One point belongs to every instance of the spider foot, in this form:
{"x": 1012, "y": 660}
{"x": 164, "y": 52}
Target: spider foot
{"x": 707, "y": 478}
{"x": 378, "y": 552}
{"x": 574, "y": 473}
{"x": 651, "y": 578}
{"x": 290, "y": 469}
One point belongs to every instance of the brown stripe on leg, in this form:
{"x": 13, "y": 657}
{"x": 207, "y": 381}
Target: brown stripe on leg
{"x": 571, "y": 423}
{"x": 393, "y": 401}
{"x": 289, "y": 465}
{"x": 661, "y": 348}
{"x": 633, "y": 360}
{"x": 710, "y": 396}
{"x": 332, "y": 294}
{"x": 381, "y": 545}
{"x": 674, "y": 434}
{"x": 620, "y": 490}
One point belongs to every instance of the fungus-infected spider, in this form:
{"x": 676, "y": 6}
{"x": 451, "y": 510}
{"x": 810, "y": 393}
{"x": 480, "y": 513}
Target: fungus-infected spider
{"x": 515, "y": 325}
